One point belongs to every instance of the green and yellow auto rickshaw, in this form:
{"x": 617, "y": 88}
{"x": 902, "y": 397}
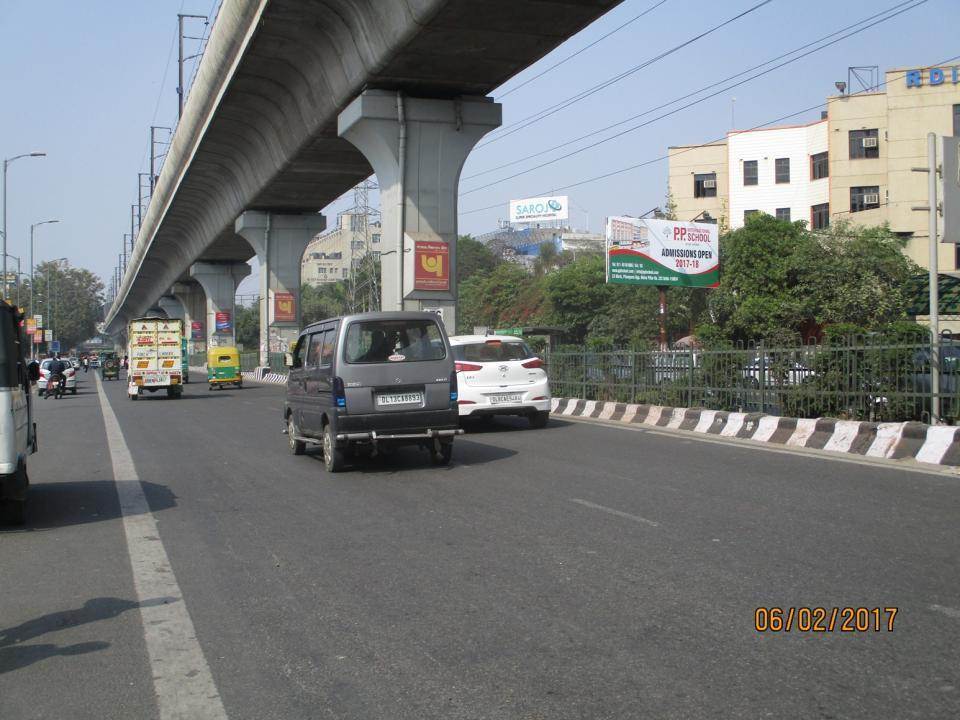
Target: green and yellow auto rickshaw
{"x": 223, "y": 367}
{"x": 109, "y": 366}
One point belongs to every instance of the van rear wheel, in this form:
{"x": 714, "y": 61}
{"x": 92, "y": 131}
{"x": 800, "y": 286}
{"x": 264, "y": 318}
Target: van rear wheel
{"x": 442, "y": 457}
{"x": 15, "y": 512}
{"x": 333, "y": 459}
{"x": 539, "y": 420}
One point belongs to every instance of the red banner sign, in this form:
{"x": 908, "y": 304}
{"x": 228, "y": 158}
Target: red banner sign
{"x": 196, "y": 330}
{"x": 284, "y": 307}
{"x": 431, "y": 266}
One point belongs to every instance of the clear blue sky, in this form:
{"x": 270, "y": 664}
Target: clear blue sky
{"x": 82, "y": 81}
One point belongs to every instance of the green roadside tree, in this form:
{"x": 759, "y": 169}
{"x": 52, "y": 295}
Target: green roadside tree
{"x": 247, "y": 323}
{"x": 473, "y": 258}
{"x": 70, "y": 299}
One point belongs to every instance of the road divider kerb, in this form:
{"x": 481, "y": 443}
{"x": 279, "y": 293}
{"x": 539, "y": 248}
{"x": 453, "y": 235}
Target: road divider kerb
{"x": 931, "y": 444}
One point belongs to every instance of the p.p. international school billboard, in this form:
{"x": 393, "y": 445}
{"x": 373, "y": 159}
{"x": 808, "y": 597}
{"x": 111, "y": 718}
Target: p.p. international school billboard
{"x": 662, "y": 252}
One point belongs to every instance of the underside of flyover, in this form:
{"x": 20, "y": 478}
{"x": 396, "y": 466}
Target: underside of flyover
{"x": 259, "y": 130}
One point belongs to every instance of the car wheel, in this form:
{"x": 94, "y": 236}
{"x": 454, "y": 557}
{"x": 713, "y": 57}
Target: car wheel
{"x": 134, "y": 397}
{"x": 297, "y": 447}
{"x": 539, "y": 420}
{"x": 442, "y": 457}
{"x": 333, "y": 458}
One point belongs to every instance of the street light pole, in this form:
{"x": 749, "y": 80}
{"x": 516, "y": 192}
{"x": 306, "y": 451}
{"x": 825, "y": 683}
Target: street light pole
{"x": 6, "y": 163}
{"x": 180, "y": 18}
{"x": 44, "y": 222}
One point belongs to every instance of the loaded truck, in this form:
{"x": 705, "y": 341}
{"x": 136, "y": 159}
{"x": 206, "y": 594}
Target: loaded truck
{"x": 155, "y": 347}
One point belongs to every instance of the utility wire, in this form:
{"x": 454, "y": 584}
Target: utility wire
{"x": 695, "y": 102}
{"x": 539, "y": 75}
{"x": 696, "y": 147}
{"x": 553, "y": 109}
{"x": 688, "y": 95}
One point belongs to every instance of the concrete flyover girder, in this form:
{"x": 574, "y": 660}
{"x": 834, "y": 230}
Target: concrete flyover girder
{"x": 259, "y": 129}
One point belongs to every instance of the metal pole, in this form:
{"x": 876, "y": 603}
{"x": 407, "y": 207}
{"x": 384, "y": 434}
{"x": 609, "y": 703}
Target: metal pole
{"x": 663, "y": 316}
{"x": 179, "y": 67}
{"x": 31, "y": 269}
{"x": 5, "y": 163}
{"x": 934, "y": 282}
{"x": 153, "y": 160}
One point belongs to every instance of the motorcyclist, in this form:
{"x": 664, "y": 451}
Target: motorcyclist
{"x": 57, "y": 370}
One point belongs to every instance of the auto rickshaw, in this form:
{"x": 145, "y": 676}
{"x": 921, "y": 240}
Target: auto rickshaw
{"x": 109, "y": 366}
{"x": 223, "y": 367}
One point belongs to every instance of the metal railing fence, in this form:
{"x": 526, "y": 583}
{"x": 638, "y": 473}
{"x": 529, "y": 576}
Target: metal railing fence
{"x": 860, "y": 378}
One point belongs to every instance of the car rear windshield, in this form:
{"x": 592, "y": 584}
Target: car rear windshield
{"x": 492, "y": 351}
{"x": 380, "y": 341}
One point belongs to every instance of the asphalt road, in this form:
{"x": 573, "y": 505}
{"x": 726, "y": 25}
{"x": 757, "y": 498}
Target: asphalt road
{"x": 578, "y": 571}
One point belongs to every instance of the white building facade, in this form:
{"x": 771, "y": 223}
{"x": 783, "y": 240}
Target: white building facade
{"x": 780, "y": 171}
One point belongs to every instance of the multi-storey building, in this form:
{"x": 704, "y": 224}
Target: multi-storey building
{"x": 329, "y": 257}
{"x": 854, "y": 164}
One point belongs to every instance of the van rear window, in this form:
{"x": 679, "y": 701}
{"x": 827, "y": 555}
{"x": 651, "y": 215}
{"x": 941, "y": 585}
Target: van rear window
{"x": 381, "y": 341}
{"x": 492, "y": 351}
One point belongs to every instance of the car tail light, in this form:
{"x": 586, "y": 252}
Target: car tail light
{"x": 467, "y": 367}
{"x": 539, "y": 397}
{"x": 339, "y": 394}
{"x": 465, "y": 402}
{"x": 535, "y": 363}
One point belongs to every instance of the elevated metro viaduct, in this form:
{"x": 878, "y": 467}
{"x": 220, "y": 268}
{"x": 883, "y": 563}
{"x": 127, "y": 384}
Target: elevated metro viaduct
{"x": 295, "y": 102}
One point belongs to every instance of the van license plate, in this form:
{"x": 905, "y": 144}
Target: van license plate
{"x": 400, "y": 399}
{"x": 504, "y": 398}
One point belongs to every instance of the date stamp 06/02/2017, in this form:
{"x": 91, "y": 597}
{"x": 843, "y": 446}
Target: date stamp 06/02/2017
{"x": 823, "y": 619}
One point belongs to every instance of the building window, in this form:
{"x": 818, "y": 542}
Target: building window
{"x": 749, "y": 172}
{"x": 862, "y": 198}
{"x": 705, "y": 185}
{"x": 783, "y": 214}
{"x": 956, "y": 120}
{"x": 376, "y": 254}
{"x": 321, "y": 271}
{"x": 820, "y": 216}
{"x": 782, "y": 166}
{"x": 376, "y": 237}
{"x": 864, "y": 144}
{"x": 747, "y": 214}
{"x": 345, "y": 271}
{"x": 819, "y": 166}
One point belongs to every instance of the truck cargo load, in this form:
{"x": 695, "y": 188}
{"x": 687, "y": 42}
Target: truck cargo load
{"x": 155, "y": 356}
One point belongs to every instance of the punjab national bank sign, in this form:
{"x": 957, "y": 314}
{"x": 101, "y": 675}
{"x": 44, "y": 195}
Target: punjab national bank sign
{"x": 662, "y": 252}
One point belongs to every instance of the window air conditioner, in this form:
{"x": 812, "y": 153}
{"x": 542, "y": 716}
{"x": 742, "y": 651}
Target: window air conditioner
{"x": 871, "y": 199}
{"x": 869, "y": 142}
{"x": 708, "y": 184}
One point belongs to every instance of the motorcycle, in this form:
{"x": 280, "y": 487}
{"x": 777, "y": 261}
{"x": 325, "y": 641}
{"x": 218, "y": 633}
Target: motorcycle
{"x": 56, "y": 384}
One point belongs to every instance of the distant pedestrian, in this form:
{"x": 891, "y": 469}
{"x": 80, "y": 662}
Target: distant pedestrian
{"x": 86, "y": 364}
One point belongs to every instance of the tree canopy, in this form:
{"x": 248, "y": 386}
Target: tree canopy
{"x": 70, "y": 300}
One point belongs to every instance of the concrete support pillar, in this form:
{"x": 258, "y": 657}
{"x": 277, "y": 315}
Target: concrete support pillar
{"x": 279, "y": 241}
{"x": 171, "y": 306}
{"x": 219, "y": 281}
{"x": 417, "y": 148}
{"x": 193, "y": 302}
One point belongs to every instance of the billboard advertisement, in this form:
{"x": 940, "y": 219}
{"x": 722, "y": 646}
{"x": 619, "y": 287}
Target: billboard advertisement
{"x": 31, "y": 326}
{"x": 662, "y": 252}
{"x": 223, "y": 321}
{"x": 431, "y": 265}
{"x": 196, "y": 330}
{"x": 38, "y": 319}
{"x": 539, "y": 209}
{"x": 284, "y": 307}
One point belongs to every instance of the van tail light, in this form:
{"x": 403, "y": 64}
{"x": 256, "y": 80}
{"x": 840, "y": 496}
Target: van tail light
{"x": 339, "y": 394}
{"x": 532, "y": 364}
{"x": 467, "y": 367}
{"x": 453, "y": 387}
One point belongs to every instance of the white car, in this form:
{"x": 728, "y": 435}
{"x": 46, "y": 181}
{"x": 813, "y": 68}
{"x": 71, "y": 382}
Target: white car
{"x": 70, "y": 372}
{"x": 500, "y": 375}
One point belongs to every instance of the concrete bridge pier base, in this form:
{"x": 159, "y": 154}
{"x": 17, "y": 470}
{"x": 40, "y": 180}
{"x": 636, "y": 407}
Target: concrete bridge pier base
{"x": 219, "y": 281}
{"x": 193, "y": 302}
{"x": 417, "y": 148}
{"x": 279, "y": 241}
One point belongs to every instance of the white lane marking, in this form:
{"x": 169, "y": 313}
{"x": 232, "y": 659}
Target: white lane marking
{"x": 706, "y": 420}
{"x": 805, "y": 428}
{"x": 734, "y": 423}
{"x": 948, "y": 611}
{"x": 888, "y": 434}
{"x": 618, "y": 513}
{"x": 182, "y": 682}
{"x": 844, "y": 433}
{"x": 937, "y": 443}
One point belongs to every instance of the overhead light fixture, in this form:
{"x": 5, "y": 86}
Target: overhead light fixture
{"x": 841, "y": 86}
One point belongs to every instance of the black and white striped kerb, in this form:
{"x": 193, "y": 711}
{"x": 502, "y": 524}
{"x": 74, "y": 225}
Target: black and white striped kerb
{"x": 935, "y": 444}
